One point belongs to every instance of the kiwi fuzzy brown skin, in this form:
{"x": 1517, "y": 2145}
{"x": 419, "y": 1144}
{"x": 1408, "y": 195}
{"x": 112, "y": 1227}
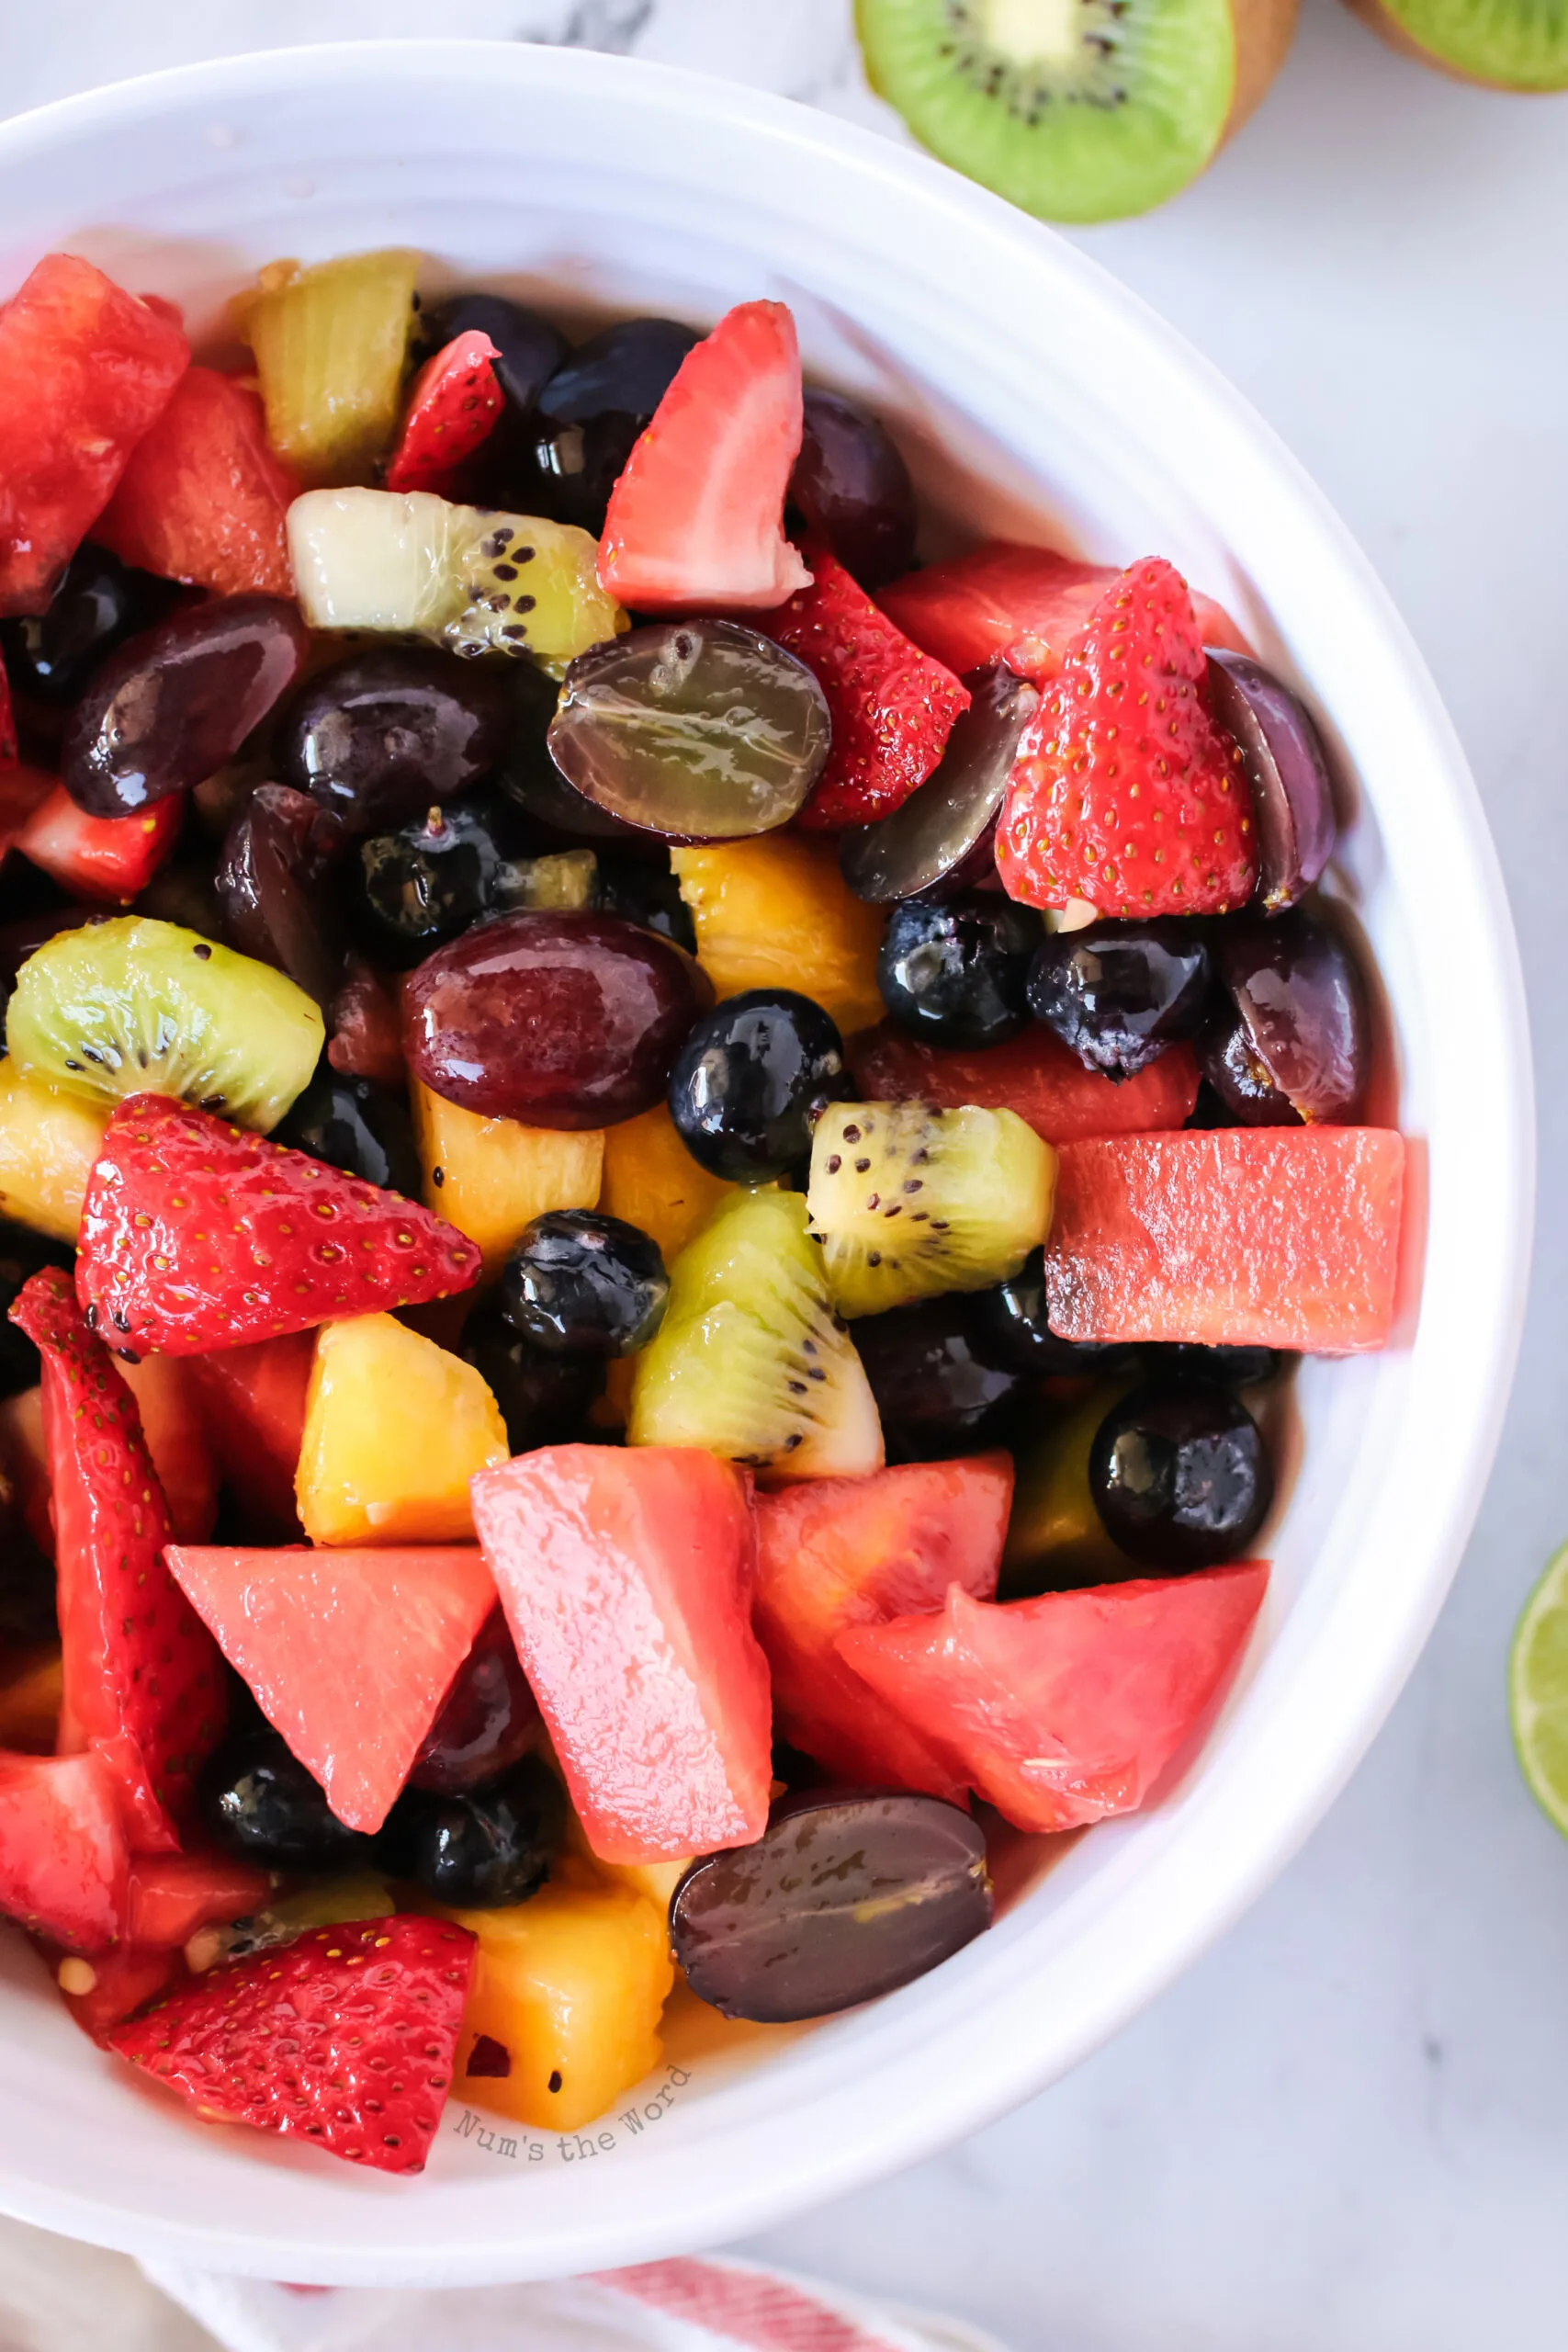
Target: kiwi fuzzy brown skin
{"x": 1398, "y": 37}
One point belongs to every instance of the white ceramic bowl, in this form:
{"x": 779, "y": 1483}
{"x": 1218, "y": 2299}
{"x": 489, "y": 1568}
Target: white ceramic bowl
{"x": 1034, "y": 396}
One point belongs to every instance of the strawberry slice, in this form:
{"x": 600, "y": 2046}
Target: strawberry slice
{"x": 453, "y": 409}
{"x": 346, "y": 2037}
{"x": 892, "y": 706}
{"x": 63, "y": 1857}
{"x": 1125, "y": 791}
{"x": 108, "y": 859}
{"x": 197, "y": 1234}
{"x": 144, "y": 1679}
{"x": 696, "y": 519}
{"x": 203, "y": 498}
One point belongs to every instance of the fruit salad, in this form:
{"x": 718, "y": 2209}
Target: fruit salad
{"x": 659, "y": 1174}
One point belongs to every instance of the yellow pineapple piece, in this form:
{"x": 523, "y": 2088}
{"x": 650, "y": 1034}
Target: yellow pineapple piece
{"x": 492, "y": 1177}
{"x": 775, "y": 912}
{"x": 658, "y": 1880}
{"x": 651, "y": 1181}
{"x": 329, "y": 346}
{"x": 48, "y": 1145}
{"x": 395, "y": 1428}
{"x": 567, "y": 1992}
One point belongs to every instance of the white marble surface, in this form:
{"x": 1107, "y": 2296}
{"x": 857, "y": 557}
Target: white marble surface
{"x": 1347, "y": 2128}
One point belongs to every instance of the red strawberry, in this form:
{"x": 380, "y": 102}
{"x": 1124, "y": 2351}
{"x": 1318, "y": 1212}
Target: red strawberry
{"x": 893, "y": 706}
{"x": 103, "y": 858}
{"x": 452, "y": 409}
{"x": 346, "y": 2037}
{"x": 143, "y": 1680}
{"x": 198, "y": 1235}
{"x": 696, "y": 520}
{"x": 204, "y": 499}
{"x": 1125, "y": 792}
{"x": 63, "y": 1858}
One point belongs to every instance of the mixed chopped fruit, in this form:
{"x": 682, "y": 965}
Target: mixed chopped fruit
{"x": 658, "y": 1176}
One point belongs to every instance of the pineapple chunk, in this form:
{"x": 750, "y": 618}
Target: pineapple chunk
{"x": 651, "y": 1181}
{"x": 567, "y": 1996}
{"x": 329, "y": 346}
{"x": 776, "y": 914}
{"x": 395, "y": 1428}
{"x": 48, "y": 1145}
{"x": 491, "y": 1178}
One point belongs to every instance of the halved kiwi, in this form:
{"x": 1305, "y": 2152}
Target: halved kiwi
{"x": 908, "y": 1201}
{"x": 750, "y": 1361}
{"x": 1504, "y": 44}
{"x": 133, "y": 1006}
{"x": 1075, "y": 109}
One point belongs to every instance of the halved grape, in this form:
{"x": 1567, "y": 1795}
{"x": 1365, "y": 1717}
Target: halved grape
{"x": 940, "y": 838}
{"x": 1296, "y": 1039}
{"x": 1293, "y": 799}
{"x": 695, "y": 730}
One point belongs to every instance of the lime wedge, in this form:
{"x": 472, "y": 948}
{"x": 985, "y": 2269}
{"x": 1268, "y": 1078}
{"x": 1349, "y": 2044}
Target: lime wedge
{"x": 1538, "y": 1691}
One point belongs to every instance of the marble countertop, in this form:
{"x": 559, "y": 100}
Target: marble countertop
{"x": 1347, "y": 2128}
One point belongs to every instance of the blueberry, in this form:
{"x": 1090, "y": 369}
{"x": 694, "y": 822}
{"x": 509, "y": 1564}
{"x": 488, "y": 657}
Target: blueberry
{"x": 1179, "y": 1474}
{"x": 1118, "y": 994}
{"x": 260, "y": 1802}
{"x": 591, "y": 411}
{"x": 940, "y": 1387}
{"x": 99, "y": 603}
{"x": 1011, "y": 1321}
{"x": 353, "y": 1124}
{"x": 1231, "y": 1367}
{"x": 956, "y": 973}
{"x": 581, "y": 1284}
{"x": 490, "y": 1847}
{"x": 753, "y": 1077}
{"x": 544, "y": 1399}
{"x": 426, "y": 884}
{"x": 646, "y": 894}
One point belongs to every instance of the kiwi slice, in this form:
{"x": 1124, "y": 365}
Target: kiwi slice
{"x": 907, "y": 1201}
{"x": 1075, "y": 109}
{"x": 750, "y": 1361}
{"x": 132, "y": 1006}
{"x": 1504, "y": 44}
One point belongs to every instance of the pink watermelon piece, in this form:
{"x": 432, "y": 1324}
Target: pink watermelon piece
{"x": 349, "y": 1653}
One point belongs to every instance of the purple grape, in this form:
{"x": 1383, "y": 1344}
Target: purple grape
{"x": 274, "y": 886}
{"x": 1292, "y": 798}
{"x": 940, "y": 840}
{"x": 853, "y": 488}
{"x": 487, "y": 1720}
{"x": 383, "y": 735}
{"x": 169, "y": 707}
{"x": 1294, "y": 1041}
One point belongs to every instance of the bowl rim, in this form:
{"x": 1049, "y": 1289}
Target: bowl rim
{"x": 901, "y": 2106}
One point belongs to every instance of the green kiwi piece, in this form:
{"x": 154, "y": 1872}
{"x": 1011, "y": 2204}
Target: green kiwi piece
{"x": 133, "y": 1006}
{"x": 907, "y": 1201}
{"x": 750, "y": 1361}
{"x": 324, "y": 1903}
{"x": 1075, "y": 109}
{"x": 1056, "y": 1540}
{"x": 1504, "y": 44}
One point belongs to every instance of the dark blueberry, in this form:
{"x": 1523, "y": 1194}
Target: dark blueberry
{"x": 491, "y": 1847}
{"x": 100, "y": 603}
{"x": 853, "y": 488}
{"x": 23, "y": 1253}
{"x": 354, "y": 1125}
{"x": 591, "y": 414}
{"x": 382, "y": 735}
{"x": 426, "y": 884}
{"x": 487, "y": 1720}
{"x": 1231, "y": 1367}
{"x": 958, "y": 973}
{"x": 1293, "y": 1041}
{"x": 583, "y": 1284}
{"x": 1180, "y": 1475}
{"x": 1011, "y": 1321}
{"x": 260, "y": 1802}
{"x": 530, "y": 347}
{"x": 940, "y": 1387}
{"x": 646, "y": 894}
{"x": 1118, "y": 994}
{"x": 753, "y": 1080}
{"x": 544, "y": 1399}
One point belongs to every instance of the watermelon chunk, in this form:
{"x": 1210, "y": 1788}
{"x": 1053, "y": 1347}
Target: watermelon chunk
{"x": 110, "y": 859}
{"x": 626, "y": 1574}
{"x": 1065, "y": 1709}
{"x": 349, "y": 1653}
{"x": 842, "y": 1552}
{"x": 1018, "y": 605}
{"x": 1034, "y": 1075}
{"x": 62, "y": 1853}
{"x": 84, "y": 370}
{"x": 203, "y": 498}
{"x": 1244, "y": 1236}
